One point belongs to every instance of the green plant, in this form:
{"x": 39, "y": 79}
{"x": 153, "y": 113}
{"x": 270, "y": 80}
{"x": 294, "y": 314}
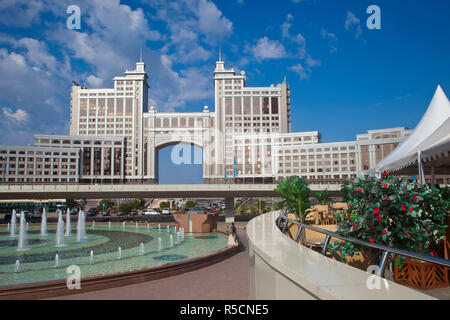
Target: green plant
{"x": 190, "y": 204}
{"x": 243, "y": 209}
{"x": 323, "y": 196}
{"x": 105, "y": 204}
{"x": 70, "y": 203}
{"x": 295, "y": 193}
{"x": 391, "y": 211}
{"x": 164, "y": 204}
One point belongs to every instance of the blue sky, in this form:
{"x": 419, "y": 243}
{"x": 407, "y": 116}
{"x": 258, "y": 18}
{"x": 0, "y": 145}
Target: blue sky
{"x": 344, "y": 78}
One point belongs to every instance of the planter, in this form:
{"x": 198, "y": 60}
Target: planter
{"x": 422, "y": 275}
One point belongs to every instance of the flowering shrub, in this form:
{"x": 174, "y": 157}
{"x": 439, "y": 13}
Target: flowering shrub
{"x": 391, "y": 211}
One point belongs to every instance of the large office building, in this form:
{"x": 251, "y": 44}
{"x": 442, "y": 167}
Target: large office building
{"x": 115, "y": 138}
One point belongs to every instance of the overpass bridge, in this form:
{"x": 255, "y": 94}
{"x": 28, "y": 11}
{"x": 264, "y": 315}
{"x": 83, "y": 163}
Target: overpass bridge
{"x": 111, "y": 191}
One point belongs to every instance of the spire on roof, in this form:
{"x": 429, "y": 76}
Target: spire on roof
{"x": 220, "y": 52}
{"x": 140, "y": 56}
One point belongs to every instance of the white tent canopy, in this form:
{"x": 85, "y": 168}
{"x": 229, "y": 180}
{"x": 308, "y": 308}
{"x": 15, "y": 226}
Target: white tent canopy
{"x": 430, "y": 138}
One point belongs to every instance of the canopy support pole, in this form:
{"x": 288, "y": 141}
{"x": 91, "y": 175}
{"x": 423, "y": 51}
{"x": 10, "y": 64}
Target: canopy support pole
{"x": 420, "y": 167}
{"x": 432, "y": 176}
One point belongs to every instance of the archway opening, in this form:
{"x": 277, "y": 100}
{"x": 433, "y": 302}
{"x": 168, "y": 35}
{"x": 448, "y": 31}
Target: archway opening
{"x": 179, "y": 163}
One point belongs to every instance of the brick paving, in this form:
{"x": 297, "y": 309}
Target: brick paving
{"x": 226, "y": 280}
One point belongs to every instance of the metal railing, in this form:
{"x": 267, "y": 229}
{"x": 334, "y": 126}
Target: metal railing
{"x": 386, "y": 251}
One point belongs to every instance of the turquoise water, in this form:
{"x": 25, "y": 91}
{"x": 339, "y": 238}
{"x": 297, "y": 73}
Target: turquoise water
{"x": 38, "y": 263}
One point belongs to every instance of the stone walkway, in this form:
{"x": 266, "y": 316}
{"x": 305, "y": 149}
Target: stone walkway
{"x": 226, "y": 280}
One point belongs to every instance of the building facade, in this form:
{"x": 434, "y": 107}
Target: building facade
{"x": 115, "y": 138}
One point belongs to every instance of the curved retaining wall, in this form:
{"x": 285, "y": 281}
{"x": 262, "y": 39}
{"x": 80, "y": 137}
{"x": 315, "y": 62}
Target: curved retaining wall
{"x": 48, "y": 289}
{"x": 283, "y": 269}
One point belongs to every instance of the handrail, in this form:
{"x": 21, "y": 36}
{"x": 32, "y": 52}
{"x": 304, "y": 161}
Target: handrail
{"x": 385, "y": 249}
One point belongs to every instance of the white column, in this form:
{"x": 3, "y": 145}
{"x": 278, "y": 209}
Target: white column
{"x": 229, "y": 209}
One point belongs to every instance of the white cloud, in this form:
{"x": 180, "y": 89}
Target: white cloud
{"x": 94, "y": 82}
{"x": 211, "y": 22}
{"x": 332, "y": 38}
{"x": 268, "y": 49}
{"x": 19, "y": 115}
{"x": 353, "y": 23}
{"x": 301, "y": 71}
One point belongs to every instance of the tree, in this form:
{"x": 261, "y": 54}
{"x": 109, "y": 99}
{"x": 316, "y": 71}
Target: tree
{"x": 164, "y": 204}
{"x": 70, "y": 203}
{"x": 105, "y": 204}
{"x": 190, "y": 204}
{"x": 261, "y": 205}
{"x": 295, "y": 193}
{"x": 323, "y": 196}
{"x": 243, "y": 209}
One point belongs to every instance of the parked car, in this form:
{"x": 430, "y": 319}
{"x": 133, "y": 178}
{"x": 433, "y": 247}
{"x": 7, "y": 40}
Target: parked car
{"x": 106, "y": 213}
{"x": 166, "y": 211}
{"x": 133, "y": 212}
{"x": 121, "y": 213}
{"x": 150, "y": 212}
{"x": 92, "y": 212}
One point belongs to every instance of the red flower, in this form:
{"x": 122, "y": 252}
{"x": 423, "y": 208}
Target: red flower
{"x": 359, "y": 190}
{"x": 408, "y": 234}
{"x": 408, "y": 259}
{"x": 379, "y": 219}
{"x": 371, "y": 240}
{"x": 411, "y": 209}
{"x": 354, "y": 226}
{"x": 386, "y": 185}
{"x": 404, "y": 207}
{"x": 372, "y": 227}
{"x": 384, "y": 231}
{"x": 405, "y": 194}
{"x": 369, "y": 179}
{"x": 387, "y": 198}
{"x": 353, "y": 180}
{"x": 385, "y": 173}
{"x": 432, "y": 253}
{"x": 415, "y": 198}
{"x": 376, "y": 211}
{"x": 349, "y": 206}
{"x": 329, "y": 212}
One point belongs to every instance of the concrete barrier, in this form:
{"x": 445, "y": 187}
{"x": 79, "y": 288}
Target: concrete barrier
{"x": 283, "y": 269}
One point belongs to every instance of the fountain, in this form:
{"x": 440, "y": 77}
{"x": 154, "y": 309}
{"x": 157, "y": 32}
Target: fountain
{"x": 93, "y": 224}
{"x": 13, "y": 224}
{"x": 68, "y": 228}
{"x": 137, "y": 226}
{"x": 171, "y": 241}
{"x": 17, "y": 266}
{"x": 83, "y": 226}
{"x": 141, "y": 247}
{"x": 159, "y": 244}
{"x": 91, "y": 260}
{"x": 22, "y": 244}
{"x": 44, "y": 223}
{"x": 159, "y": 227}
{"x": 109, "y": 225}
{"x": 60, "y": 230}
{"x": 56, "y": 261}
{"x": 27, "y": 225}
{"x": 8, "y": 227}
{"x": 168, "y": 228}
{"x": 175, "y": 229}
{"x": 123, "y": 225}
{"x": 119, "y": 253}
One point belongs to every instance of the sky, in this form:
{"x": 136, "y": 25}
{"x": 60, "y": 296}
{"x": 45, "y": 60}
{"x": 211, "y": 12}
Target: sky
{"x": 345, "y": 79}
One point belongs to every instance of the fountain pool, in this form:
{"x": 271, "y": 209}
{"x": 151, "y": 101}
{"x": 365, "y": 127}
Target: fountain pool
{"x": 139, "y": 249}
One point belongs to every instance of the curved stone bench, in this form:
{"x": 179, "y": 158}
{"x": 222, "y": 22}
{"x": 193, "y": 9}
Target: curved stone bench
{"x": 283, "y": 269}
